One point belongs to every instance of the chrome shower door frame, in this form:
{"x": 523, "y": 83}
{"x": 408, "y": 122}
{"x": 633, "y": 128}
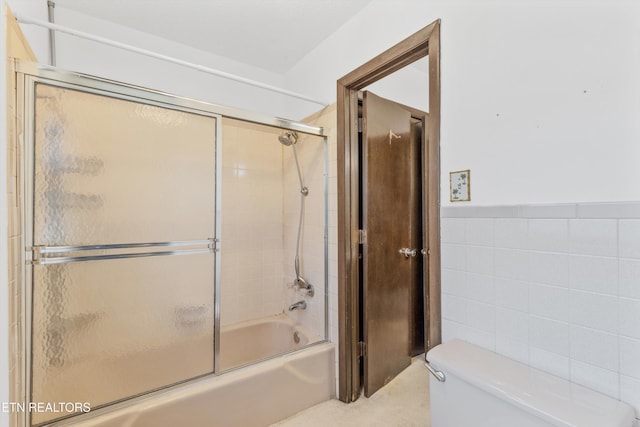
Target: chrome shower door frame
{"x": 28, "y": 75}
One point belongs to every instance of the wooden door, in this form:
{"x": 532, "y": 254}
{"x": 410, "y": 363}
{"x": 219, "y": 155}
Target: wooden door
{"x": 387, "y": 273}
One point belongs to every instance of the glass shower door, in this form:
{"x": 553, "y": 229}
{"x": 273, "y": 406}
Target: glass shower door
{"x": 120, "y": 188}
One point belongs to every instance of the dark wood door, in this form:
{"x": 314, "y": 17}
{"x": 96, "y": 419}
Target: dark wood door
{"x": 387, "y": 273}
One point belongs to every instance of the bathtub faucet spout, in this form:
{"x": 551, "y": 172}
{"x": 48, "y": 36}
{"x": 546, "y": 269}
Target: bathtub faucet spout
{"x": 300, "y": 305}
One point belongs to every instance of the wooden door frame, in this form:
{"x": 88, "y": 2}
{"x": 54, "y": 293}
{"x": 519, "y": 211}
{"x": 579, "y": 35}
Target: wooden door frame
{"x": 422, "y": 43}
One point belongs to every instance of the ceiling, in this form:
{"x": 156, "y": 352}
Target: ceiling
{"x": 270, "y": 34}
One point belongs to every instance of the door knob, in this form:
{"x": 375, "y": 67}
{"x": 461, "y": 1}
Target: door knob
{"x": 408, "y": 252}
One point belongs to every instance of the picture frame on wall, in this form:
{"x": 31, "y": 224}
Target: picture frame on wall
{"x": 460, "y": 186}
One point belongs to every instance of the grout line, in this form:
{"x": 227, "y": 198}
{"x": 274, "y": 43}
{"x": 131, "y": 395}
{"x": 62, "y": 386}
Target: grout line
{"x": 618, "y": 313}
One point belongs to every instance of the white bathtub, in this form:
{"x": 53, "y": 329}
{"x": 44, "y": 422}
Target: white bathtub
{"x": 256, "y": 395}
{"x": 253, "y": 340}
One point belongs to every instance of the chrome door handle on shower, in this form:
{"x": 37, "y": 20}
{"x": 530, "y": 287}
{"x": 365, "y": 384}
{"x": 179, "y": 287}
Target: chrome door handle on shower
{"x": 408, "y": 252}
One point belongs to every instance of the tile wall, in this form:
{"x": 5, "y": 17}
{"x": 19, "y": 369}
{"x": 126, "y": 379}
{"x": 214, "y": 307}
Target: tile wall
{"x": 553, "y": 286}
{"x": 16, "y": 47}
{"x": 252, "y": 216}
{"x": 327, "y": 119}
{"x": 311, "y": 156}
{"x": 260, "y": 214}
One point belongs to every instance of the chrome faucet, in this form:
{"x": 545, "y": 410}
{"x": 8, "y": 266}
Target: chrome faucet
{"x": 300, "y": 305}
{"x": 300, "y": 283}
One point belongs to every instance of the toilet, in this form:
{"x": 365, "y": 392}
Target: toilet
{"x": 472, "y": 386}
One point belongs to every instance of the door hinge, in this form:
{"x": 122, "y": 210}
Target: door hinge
{"x": 362, "y": 349}
{"x": 362, "y": 237}
{"x": 360, "y": 124}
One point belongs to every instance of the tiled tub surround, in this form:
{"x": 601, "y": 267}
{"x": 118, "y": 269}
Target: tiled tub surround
{"x": 311, "y": 156}
{"x": 260, "y": 214}
{"x": 326, "y": 118}
{"x": 252, "y": 223}
{"x": 553, "y": 286}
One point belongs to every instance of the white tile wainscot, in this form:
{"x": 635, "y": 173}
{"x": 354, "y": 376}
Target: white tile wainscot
{"x": 553, "y": 286}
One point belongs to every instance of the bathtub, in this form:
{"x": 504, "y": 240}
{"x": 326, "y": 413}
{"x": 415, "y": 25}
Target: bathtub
{"x": 255, "y": 395}
{"x": 480, "y": 388}
{"x": 253, "y": 340}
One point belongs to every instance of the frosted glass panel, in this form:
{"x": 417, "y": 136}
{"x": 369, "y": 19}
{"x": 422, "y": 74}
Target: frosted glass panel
{"x": 110, "y": 172}
{"x": 108, "y": 330}
{"x": 113, "y": 171}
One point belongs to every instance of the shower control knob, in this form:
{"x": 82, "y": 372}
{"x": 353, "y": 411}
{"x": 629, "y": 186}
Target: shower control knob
{"x": 408, "y": 252}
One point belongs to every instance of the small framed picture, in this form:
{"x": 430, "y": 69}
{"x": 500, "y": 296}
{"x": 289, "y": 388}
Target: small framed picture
{"x": 460, "y": 185}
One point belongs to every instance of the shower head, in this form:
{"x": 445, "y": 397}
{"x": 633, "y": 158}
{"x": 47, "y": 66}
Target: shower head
{"x": 288, "y": 138}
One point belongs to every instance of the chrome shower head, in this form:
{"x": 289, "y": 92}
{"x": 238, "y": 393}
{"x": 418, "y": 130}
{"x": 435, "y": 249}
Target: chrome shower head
{"x": 288, "y": 138}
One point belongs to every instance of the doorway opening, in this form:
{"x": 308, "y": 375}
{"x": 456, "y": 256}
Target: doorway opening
{"x": 388, "y": 269}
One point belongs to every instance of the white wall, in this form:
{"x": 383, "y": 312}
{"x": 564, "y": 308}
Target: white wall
{"x": 538, "y": 97}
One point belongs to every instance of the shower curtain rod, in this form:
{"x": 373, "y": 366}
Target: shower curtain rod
{"x": 212, "y": 71}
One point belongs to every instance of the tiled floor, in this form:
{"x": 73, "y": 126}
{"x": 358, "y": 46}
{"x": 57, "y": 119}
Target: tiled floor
{"x": 404, "y": 402}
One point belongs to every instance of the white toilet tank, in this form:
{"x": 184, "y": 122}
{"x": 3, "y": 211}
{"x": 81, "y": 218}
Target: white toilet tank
{"x": 485, "y": 389}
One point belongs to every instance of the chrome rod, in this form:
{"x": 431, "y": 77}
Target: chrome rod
{"x": 145, "y": 52}
{"x": 60, "y": 249}
{"x": 440, "y": 376}
{"x": 52, "y": 34}
{"x": 64, "y": 260}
